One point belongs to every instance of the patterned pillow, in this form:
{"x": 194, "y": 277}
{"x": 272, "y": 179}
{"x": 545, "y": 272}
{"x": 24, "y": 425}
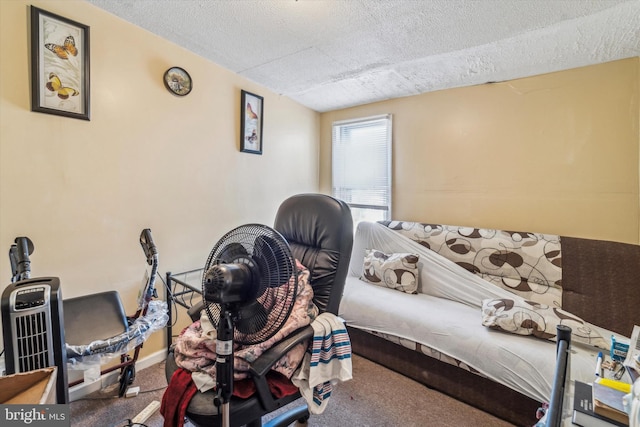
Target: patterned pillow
{"x": 396, "y": 271}
{"x": 524, "y": 317}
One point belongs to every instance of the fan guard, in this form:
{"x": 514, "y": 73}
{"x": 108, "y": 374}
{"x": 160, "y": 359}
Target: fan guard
{"x": 252, "y": 273}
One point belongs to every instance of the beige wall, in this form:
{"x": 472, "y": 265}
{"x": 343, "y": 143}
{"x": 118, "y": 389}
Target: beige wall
{"x": 83, "y": 191}
{"x": 556, "y": 153}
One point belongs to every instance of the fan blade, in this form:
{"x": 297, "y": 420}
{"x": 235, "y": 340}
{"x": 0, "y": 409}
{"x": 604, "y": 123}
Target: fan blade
{"x": 271, "y": 258}
{"x": 232, "y": 253}
{"x": 251, "y": 274}
{"x": 251, "y": 318}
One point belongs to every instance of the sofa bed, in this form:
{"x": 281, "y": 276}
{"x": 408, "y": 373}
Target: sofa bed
{"x": 472, "y": 312}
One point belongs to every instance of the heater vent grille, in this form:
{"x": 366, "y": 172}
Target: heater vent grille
{"x": 33, "y": 329}
{"x": 33, "y": 342}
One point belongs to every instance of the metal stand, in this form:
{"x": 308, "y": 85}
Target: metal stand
{"x": 224, "y": 363}
{"x": 563, "y": 343}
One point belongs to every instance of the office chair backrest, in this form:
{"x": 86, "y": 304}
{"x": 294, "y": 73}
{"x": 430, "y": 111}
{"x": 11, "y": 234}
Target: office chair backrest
{"x": 319, "y": 229}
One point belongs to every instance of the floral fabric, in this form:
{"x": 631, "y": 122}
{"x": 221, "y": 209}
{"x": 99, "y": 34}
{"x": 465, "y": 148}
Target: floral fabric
{"x": 195, "y": 348}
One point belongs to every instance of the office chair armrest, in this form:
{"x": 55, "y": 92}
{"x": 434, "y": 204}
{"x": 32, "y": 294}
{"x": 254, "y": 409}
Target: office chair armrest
{"x": 265, "y": 362}
{"x": 261, "y": 366}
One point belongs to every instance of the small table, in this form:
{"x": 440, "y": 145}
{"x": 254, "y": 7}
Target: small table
{"x": 567, "y": 403}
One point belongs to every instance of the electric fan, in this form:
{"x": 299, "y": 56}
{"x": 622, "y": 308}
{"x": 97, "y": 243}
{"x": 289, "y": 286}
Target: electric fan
{"x": 249, "y": 288}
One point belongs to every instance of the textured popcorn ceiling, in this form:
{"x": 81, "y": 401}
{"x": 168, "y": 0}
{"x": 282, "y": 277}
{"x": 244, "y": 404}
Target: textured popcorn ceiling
{"x": 331, "y": 54}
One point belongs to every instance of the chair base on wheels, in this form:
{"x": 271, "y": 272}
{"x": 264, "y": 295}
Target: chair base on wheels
{"x": 299, "y": 414}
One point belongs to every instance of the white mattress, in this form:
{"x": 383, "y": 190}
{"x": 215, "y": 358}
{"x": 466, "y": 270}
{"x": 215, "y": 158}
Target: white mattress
{"x": 525, "y": 364}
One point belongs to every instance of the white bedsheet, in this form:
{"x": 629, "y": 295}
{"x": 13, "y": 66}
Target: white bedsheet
{"x": 453, "y": 327}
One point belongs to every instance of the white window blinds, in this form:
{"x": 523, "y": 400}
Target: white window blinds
{"x": 361, "y": 166}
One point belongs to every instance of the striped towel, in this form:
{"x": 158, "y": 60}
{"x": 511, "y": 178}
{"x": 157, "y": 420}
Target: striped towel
{"x": 327, "y": 362}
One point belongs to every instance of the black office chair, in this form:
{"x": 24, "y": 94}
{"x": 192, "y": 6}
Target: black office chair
{"x": 319, "y": 230}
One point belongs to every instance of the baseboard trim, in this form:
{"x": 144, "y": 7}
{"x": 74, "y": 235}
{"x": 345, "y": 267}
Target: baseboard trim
{"x": 84, "y": 389}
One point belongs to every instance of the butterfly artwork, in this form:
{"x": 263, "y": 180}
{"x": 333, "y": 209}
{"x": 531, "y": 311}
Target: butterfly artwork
{"x": 59, "y": 65}
{"x": 253, "y": 138}
{"x": 55, "y": 85}
{"x": 251, "y": 115}
{"x": 251, "y": 122}
{"x": 64, "y": 51}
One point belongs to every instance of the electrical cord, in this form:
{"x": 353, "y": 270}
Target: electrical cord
{"x": 170, "y": 298}
{"x": 130, "y": 423}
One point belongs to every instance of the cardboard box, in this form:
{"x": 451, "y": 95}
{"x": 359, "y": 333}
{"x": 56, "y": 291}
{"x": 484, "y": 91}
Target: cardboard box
{"x": 33, "y": 387}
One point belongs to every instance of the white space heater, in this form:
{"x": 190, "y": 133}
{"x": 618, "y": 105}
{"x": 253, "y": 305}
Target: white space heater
{"x": 33, "y": 329}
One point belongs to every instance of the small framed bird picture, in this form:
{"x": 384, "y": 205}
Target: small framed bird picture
{"x": 59, "y": 65}
{"x": 251, "y": 109}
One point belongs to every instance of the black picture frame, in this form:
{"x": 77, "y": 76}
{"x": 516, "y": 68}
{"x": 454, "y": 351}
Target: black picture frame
{"x": 251, "y": 121}
{"x": 59, "y": 65}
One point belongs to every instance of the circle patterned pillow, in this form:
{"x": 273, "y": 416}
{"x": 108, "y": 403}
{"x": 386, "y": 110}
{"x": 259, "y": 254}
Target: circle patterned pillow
{"x": 396, "y": 271}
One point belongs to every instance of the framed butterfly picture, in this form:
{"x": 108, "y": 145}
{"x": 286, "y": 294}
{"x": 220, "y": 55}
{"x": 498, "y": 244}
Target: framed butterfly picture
{"x": 251, "y": 107}
{"x": 59, "y": 65}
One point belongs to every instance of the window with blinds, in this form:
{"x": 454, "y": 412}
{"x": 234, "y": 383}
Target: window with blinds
{"x": 361, "y": 166}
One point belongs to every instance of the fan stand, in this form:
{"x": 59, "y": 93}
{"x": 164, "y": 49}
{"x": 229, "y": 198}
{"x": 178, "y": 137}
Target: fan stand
{"x": 246, "y": 264}
{"x": 224, "y": 363}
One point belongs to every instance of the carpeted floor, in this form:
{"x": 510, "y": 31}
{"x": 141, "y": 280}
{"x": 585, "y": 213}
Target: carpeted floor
{"x": 376, "y": 396}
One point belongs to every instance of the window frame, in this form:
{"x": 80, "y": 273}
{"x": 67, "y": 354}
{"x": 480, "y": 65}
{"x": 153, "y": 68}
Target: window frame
{"x": 387, "y": 209}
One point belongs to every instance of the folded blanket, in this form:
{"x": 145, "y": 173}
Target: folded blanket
{"x": 327, "y": 362}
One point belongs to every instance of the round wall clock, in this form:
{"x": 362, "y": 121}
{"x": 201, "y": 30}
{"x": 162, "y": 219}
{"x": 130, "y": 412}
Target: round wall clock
{"x": 178, "y": 81}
